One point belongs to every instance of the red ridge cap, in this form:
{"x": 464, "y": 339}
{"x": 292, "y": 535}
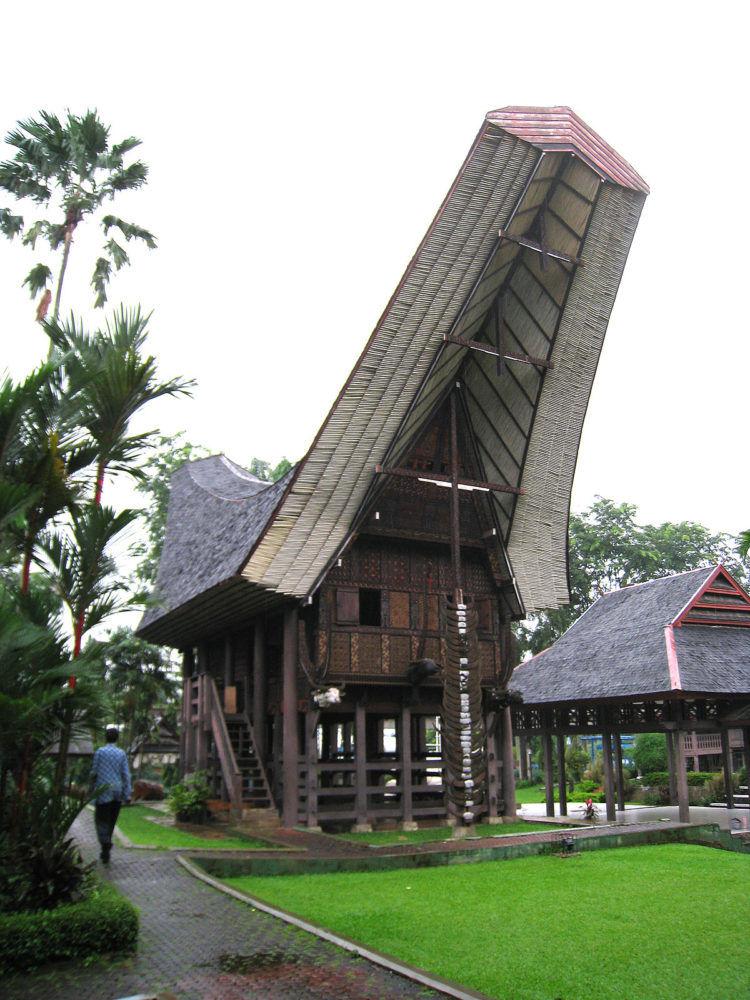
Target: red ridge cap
{"x": 558, "y": 129}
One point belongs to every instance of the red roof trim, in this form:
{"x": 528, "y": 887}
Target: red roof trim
{"x": 559, "y": 129}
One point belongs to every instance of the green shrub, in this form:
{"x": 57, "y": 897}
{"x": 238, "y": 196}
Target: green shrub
{"x": 743, "y": 775}
{"x": 188, "y": 799}
{"x": 655, "y": 778}
{"x": 103, "y": 922}
{"x": 530, "y": 782}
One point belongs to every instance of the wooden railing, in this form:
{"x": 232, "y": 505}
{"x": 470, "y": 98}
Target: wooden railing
{"x": 229, "y": 770}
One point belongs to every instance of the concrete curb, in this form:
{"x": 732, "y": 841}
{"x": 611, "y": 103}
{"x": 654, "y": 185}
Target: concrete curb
{"x": 437, "y": 983}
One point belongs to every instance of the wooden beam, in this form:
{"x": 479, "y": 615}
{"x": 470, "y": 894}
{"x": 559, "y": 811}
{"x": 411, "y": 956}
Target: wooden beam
{"x": 525, "y": 241}
{"x": 434, "y": 477}
{"x": 406, "y": 765}
{"x": 476, "y": 345}
{"x": 259, "y": 688}
{"x": 509, "y": 778}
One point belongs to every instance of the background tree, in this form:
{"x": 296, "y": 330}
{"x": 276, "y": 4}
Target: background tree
{"x": 140, "y": 683}
{"x": 650, "y": 752}
{"x": 608, "y": 550}
{"x": 68, "y": 168}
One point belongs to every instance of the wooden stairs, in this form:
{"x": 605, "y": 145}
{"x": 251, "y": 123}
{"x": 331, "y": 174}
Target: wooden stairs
{"x": 256, "y": 793}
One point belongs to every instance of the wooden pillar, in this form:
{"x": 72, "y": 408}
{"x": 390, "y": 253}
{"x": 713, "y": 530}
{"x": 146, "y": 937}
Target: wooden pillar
{"x": 290, "y": 749}
{"x": 523, "y": 757}
{"x": 561, "y": 781}
{"x": 204, "y": 718}
{"x": 311, "y": 760}
{"x": 726, "y": 757}
{"x": 683, "y": 798}
{"x": 746, "y": 739}
{"x": 509, "y": 778}
{"x": 671, "y": 767}
{"x": 619, "y": 780}
{"x": 609, "y": 783}
{"x": 360, "y": 761}
{"x": 260, "y": 691}
{"x": 406, "y": 773}
{"x": 549, "y": 775}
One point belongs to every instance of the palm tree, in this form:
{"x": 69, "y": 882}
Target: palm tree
{"x": 69, "y": 168}
{"x": 112, "y": 380}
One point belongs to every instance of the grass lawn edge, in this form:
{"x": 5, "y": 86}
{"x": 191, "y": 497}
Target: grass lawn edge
{"x": 348, "y": 944}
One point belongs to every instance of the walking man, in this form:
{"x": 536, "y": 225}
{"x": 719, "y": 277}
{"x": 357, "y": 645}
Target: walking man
{"x": 110, "y": 768}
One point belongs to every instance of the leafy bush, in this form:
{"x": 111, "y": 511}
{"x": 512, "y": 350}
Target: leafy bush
{"x": 530, "y": 782}
{"x": 655, "y": 778}
{"x": 189, "y": 799}
{"x": 103, "y": 922}
{"x": 40, "y": 867}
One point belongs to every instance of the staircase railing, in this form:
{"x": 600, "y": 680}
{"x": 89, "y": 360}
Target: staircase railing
{"x": 229, "y": 770}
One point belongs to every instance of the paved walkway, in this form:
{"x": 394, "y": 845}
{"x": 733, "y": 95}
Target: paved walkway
{"x": 198, "y": 944}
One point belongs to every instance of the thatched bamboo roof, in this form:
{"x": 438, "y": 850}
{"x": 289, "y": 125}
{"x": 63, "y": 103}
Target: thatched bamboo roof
{"x": 526, "y": 255}
{"x": 683, "y": 635}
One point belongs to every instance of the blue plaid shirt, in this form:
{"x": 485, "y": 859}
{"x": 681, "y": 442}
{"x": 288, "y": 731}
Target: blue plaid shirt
{"x": 110, "y": 768}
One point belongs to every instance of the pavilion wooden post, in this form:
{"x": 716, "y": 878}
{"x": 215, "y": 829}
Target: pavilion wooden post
{"x": 671, "y": 767}
{"x": 494, "y": 773}
{"x": 618, "y": 772}
{"x": 561, "y": 778}
{"x": 290, "y": 748}
{"x": 523, "y": 757}
{"x": 746, "y": 740}
{"x": 609, "y": 783}
{"x": 683, "y": 796}
{"x": 549, "y": 777}
{"x": 406, "y": 769}
{"x": 509, "y": 778}
{"x": 360, "y": 761}
{"x": 259, "y": 688}
{"x": 726, "y": 758}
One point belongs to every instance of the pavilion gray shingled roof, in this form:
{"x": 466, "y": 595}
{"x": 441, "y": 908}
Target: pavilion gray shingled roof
{"x": 618, "y": 649}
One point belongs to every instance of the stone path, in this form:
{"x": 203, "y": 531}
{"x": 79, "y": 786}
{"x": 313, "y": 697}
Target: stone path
{"x": 198, "y": 944}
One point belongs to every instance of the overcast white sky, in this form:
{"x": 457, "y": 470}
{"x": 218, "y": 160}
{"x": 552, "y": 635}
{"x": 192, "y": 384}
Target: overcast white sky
{"x": 298, "y": 153}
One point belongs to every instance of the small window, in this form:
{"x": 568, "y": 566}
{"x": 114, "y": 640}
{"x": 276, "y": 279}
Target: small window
{"x": 369, "y": 607}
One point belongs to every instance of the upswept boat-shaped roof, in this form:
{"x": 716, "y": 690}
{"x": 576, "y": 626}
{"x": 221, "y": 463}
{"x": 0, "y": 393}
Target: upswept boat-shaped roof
{"x": 509, "y": 295}
{"x": 682, "y": 635}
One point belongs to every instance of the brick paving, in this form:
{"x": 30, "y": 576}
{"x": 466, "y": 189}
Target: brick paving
{"x": 198, "y": 944}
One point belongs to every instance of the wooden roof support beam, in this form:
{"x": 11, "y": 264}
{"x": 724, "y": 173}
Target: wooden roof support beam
{"x": 439, "y": 480}
{"x": 476, "y": 345}
{"x": 526, "y": 241}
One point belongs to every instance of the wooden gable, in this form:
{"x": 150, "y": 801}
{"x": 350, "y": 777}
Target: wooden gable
{"x": 720, "y": 601}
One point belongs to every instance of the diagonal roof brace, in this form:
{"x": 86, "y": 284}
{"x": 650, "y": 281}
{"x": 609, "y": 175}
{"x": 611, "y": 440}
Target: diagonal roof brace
{"x": 526, "y": 241}
{"x": 439, "y": 480}
{"x": 476, "y": 345}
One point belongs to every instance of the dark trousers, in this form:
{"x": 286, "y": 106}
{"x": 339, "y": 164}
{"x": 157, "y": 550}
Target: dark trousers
{"x": 105, "y": 819}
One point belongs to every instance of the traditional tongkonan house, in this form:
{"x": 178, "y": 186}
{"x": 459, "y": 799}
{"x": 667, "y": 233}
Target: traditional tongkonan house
{"x": 346, "y": 631}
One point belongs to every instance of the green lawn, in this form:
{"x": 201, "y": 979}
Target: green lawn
{"x": 133, "y": 822}
{"x": 383, "y": 838}
{"x": 666, "y": 922}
